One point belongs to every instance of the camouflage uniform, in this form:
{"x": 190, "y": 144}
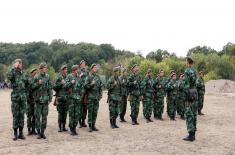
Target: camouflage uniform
{"x": 168, "y": 79}
{"x": 201, "y": 92}
{"x": 181, "y": 98}
{"x": 114, "y": 97}
{"x": 18, "y": 99}
{"x": 159, "y": 88}
{"x": 147, "y": 91}
{"x": 123, "y": 104}
{"x": 94, "y": 92}
{"x": 172, "y": 90}
{"x": 75, "y": 93}
{"x": 61, "y": 100}
{"x": 134, "y": 82}
{"x": 44, "y": 97}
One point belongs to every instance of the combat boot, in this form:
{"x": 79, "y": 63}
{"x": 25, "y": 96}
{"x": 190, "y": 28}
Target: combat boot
{"x": 111, "y": 124}
{"x": 29, "y": 132}
{"x": 64, "y": 128}
{"x": 80, "y": 123}
{"x": 33, "y": 131}
{"x": 39, "y": 134}
{"x": 43, "y": 135}
{"x": 75, "y": 132}
{"x": 60, "y": 128}
{"x": 200, "y": 113}
{"x": 84, "y": 123}
{"x": 90, "y": 128}
{"x": 133, "y": 122}
{"x": 15, "y": 134}
{"x": 94, "y": 128}
{"x": 21, "y": 134}
{"x": 72, "y": 132}
{"x": 122, "y": 119}
{"x": 114, "y": 123}
{"x": 136, "y": 123}
{"x": 190, "y": 137}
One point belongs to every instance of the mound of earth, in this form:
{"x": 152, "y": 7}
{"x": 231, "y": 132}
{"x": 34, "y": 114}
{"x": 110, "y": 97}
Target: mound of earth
{"x": 220, "y": 86}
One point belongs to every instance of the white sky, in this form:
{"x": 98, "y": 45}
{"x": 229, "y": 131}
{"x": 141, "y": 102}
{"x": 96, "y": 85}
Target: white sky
{"x": 145, "y": 25}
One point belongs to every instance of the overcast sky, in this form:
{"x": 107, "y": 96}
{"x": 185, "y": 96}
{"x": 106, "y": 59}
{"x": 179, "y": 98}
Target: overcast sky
{"x": 135, "y": 25}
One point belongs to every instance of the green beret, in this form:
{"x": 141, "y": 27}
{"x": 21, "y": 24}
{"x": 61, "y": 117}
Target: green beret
{"x": 18, "y": 60}
{"x": 63, "y": 67}
{"x": 116, "y": 69}
{"x": 181, "y": 74}
{"x": 133, "y": 66}
{"x": 74, "y": 67}
{"x": 42, "y": 65}
{"x": 172, "y": 71}
{"x": 32, "y": 70}
{"x": 160, "y": 70}
{"x": 93, "y": 65}
{"x": 172, "y": 74}
{"x": 82, "y": 61}
{"x": 149, "y": 70}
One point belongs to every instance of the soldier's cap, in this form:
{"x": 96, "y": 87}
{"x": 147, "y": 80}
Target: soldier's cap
{"x": 133, "y": 66}
{"x": 189, "y": 60}
{"x": 93, "y": 65}
{"x": 116, "y": 69}
{"x": 201, "y": 72}
{"x": 82, "y": 61}
{"x": 161, "y": 70}
{"x": 149, "y": 70}
{"x": 173, "y": 74}
{"x": 42, "y": 65}
{"x": 124, "y": 70}
{"x": 63, "y": 67}
{"x": 18, "y": 60}
{"x": 181, "y": 74}
{"x": 172, "y": 71}
{"x": 74, "y": 67}
{"x": 32, "y": 70}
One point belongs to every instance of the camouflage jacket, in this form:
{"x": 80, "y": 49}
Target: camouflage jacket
{"x": 147, "y": 87}
{"x": 172, "y": 89}
{"x": 124, "y": 86}
{"x": 200, "y": 85}
{"x": 134, "y": 88}
{"x": 43, "y": 91}
{"x": 59, "y": 88}
{"x": 159, "y": 86}
{"x": 182, "y": 89}
{"x": 75, "y": 91}
{"x": 31, "y": 91}
{"x": 114, "y": 90}
{"x": 94, "y": 91}
{"x": 190, "y": 78}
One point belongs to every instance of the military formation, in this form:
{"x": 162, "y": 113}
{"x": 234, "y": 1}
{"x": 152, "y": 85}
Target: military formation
{"x": 77, "y": 95}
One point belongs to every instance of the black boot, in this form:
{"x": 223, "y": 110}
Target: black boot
{"x": 190, "y": 137}
{"x": 182, "y": 117}
{"x": 33, "y": 131}
{"x": 15, "y": 134}
{"x": 122, "y": 119}
{"x": 90, "y": 128}
{"x": 136, "y": 123}
{"x": 114, "y": 123}
{"x": 64, "y": 128}
{"x": 29, "y": 132}
{"x": 43, "y": 135}
{"x": 94, "y": 128}
{"x": 111, "y": 124}
{"x": 75, "y": 132}
{"x": 84, "y": 123}
{"x": 200, "y": 112}
{"x": 39, "y": 134}
{"x": 72, "y": 132}
{"x": 80, "y": 123}
{"x": 133, "y": 122}
{"x": 147, "y": 120}
{"x": 60, "y": 128}
{"x": 21, "y": 134}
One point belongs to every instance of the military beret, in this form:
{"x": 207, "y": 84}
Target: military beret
{"x": 93, "y": 65}
{"x": 74, "y": 67}
{"x": 160, "y": 70}
{"x": 172, "y": 74}
{"x": 133, "y": 66}
{"x": 116, "y": 69}
{"x": 32, "y": 70}
{"x": 172, "y": 71}
{"x": 82, "y": 61}
{"x": 149, "y": 70}
{"x": 189, "y": 60}
{"x": 63, "y": 67}
{"x": 18, "y": 60}
{"x": 181, "y": 74}
{"x": 42, "y": 65}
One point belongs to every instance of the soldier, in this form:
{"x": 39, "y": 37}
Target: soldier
{"x": 43, "y": 89}
{"x": 159, "y": 89}
{"x": 148, "y": 95}
{"x": 192, "y": 96}
{"x": 18, "y": 97}
{"x": 74, "y": 85}
{"x": 31, "y": 104}
{"x": 181, "y": 97}
{"x": 83, "y": 73}
{"x": 123, "y": 104}
{"x": 201, "y": 91}
{"x": 172, "y": 90}
{"x": 93, "y": 87}
{"x": 133, "y": 83}
{"x": 61, "y": 100}
{"x": 168, "y": 79}
{"x": 114, "y": 96}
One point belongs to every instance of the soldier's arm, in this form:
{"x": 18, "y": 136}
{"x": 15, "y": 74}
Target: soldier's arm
{"x": 110, "y": 84}
{"x": 11, "y": 76}
{"x": 143, "y": 86}
{"x": 35, "y": 85}
{"x": 58, "y": 84}
{"x": 67, "y": 83}
{"x": 88, "y": 84}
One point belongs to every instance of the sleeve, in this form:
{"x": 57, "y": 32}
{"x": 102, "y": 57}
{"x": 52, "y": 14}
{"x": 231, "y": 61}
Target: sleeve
{"x": 11, "y": 76}
{"x": 50, "y": 92}
{"x": 57, "y": 84}
{"x": 67, "y": 83}
{"x": 143, "y": 85}
{"x": 110, "y": 84}
{"x": 88, "y": 85}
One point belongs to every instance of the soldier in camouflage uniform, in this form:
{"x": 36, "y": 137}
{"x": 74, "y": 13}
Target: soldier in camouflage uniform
{"x": 114, "y": 96}
{"x": 31, "y": 104}
{"x": 201, "y": 91}
{"x": 133, "y": 84}
{"x": 18, "y": 97}
{"x": 83, "y": 73}
{"x": 192, "y": 96}
{"x": 74, "y": 85}
{"x": 61, "y": 100}
{"x": 159, "y": 91}
{"x": 181, "y": 97}
{"x": 172, "y": 90}
{"x": 43, "y": 88}
{"x": 123, "y": 104}
{"x": 93, "y": 87}
{"x": 148, "y": 95}
{"x": 168, "y": 79}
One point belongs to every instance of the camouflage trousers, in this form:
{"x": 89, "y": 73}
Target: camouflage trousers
{"x": 83, "y": 111}
{"x": 191, "y": 116}
{"x": 200, "y": 101}
{"x": 147, "y": 107}
{"x": 123, "y": 106}
{"x": 92, "y": 106}
{"x": 135, "y": 104}
{"x": 62, "y": 108}
{"x": 113, "y": 109}
{"x": 18, "y": 108}
{"x": 181, "y": 106}
{"x": 172, "y": 106}
{"x": 41, "y": 113}
{"x": 74, "y": 112}
{"x": 31, "y": 119}
{"x": 158, "y": 106}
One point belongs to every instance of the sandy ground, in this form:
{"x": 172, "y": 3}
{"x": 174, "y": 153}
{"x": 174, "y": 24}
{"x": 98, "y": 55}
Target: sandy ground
{"x": 215, "y": 134}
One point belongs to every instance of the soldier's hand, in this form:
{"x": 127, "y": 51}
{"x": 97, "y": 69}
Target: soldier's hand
{"x": 174, "y": 85}
{"x": 93, "y": 82}
{"x": 135, "y": 82}
{"x": 160, "y": 86}
{"x": 141, "y": 98}
{"x": 73, "y": 81}
{"x": 81, "y": 74}
{"x": 40, "y": 81}
{"x": 62, "y": 82}
{"x": 115, "y": 83}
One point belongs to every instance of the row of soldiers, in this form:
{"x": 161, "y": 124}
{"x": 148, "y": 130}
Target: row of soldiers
{"x": 80, "y": 92}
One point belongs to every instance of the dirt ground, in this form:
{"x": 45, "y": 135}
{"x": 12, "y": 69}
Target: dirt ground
{"x": 215, "y": 134}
